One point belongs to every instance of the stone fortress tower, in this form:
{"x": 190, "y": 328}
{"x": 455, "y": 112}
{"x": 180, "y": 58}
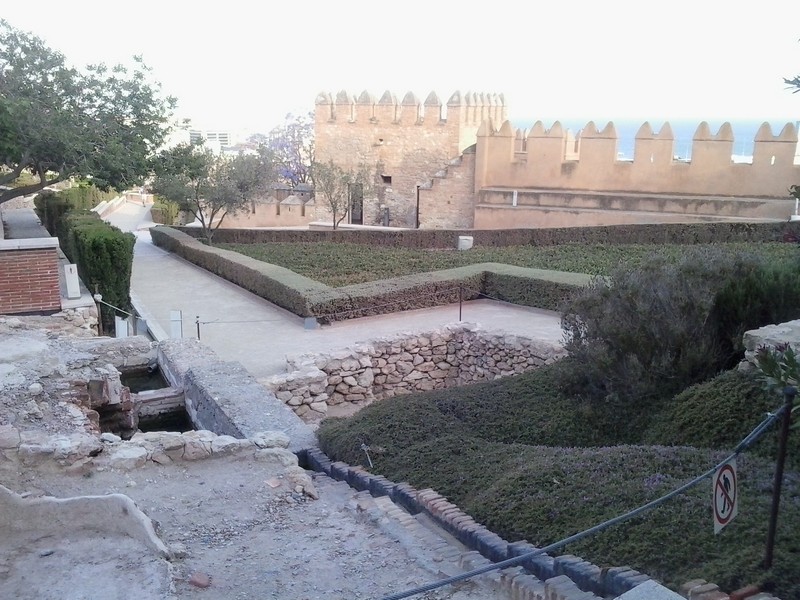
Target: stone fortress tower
{"x": 408, "y": 140}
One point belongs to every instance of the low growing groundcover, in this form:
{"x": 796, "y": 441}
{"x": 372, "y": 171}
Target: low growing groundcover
{"x": 341, "y": 264}
{"x": 532, "y": 463}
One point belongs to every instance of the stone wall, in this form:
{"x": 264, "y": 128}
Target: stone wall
{"x": 771, "y": 336}
{"x": 542, "y": 159}
{"x": 452, "y": 356}
{"x": 408, "y": 140}
{"x": 223, "y": 397}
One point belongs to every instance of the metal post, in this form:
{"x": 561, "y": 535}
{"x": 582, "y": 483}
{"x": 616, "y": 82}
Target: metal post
{"x": 417, "y": 224}
{"x": 99, "y": 311}
{"x": 789, "y": 393}
{"x": 197, "y": 320}
{"x": 460, "y": 300}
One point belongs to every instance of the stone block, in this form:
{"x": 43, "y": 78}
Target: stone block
{"x": 9, "y": 437}
{"x": 196, "y": 449}
{"x": 318, "y": 461}
{"x": 745, "y": 592}
{"x": 380, "y": 486}
{"x": 491, "y": 545}
{"x": 276, "y": 456}
{"x": 403, "y": 494}
{"x": 650, "y": 590}
{"x": 690, "y": 585}
{"x": 358, "y": 478}
{"x": 284, "y": 396}
{"x": 127, "y": 457}
{"x": 270, "y": 439}
{"x": 339, "y": 470}
{"x": 699, "y": 592}
{"x": 225, "y": 444}
{"x": 366, "y": 379}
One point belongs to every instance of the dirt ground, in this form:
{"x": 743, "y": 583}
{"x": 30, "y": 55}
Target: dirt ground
{"x": 238, "y": 527}
{"x": 227, "y": 522}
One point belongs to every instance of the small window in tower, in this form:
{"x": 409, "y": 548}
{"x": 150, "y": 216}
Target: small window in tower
{"x": 387, "y": 179}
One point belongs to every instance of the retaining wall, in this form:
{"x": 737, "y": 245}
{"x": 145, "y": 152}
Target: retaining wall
{"x": 452, "y": 356}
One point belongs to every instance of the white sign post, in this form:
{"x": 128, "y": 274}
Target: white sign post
{"x": 725, "y": 498}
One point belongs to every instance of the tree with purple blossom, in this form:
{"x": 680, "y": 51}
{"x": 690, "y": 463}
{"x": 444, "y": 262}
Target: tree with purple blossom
{"x": 290, "y": 147}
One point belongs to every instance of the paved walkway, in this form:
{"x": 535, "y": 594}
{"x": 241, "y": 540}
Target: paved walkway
{"x": 243, "y": 327}
{"x": 23, "y": 223}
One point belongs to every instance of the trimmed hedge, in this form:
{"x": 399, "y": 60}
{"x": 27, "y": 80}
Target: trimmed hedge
{"x": 306, "y": 297}
{"x": 399, "y": 294}
{"x": 52, "y": 206}
{"x": 104, "y": 256}
{"x": 531, "y": 287}
{"x": 280, "y": 286}
{"x": 665, "y": 233}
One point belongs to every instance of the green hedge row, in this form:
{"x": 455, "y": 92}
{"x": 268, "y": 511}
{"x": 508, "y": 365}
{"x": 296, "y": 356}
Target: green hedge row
{"x": 667, "y": 233}
{"x": 531, "y": 287}
{"x": 104, "y": 256}
{"x": 52, "y": 206}
{"x": 306, "y": 297}
{"x": 280, "y": 286}
{"x": 410, "y": 292}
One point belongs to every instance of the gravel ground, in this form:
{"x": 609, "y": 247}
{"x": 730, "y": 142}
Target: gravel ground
{"x": 235, "y": 522}
{"x": 239, "y": 528}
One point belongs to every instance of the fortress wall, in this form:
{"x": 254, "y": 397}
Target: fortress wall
{"x": 448, "y": 201}
{"x": 409, "y": 139}
{"x": 545, "y": 162}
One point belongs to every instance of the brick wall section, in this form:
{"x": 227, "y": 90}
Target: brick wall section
{"x": 29, "y": 281}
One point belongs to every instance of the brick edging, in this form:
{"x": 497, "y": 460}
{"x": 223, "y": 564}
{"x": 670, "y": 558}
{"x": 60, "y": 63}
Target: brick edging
{"x": 588, "y": 577}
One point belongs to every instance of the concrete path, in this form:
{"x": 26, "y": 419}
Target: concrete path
{"x": 241, "y": 326}
{"x": 23, "y": 223}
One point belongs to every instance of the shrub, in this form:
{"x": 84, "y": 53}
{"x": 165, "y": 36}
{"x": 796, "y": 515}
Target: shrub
{"x": 164, "y": 211}
{"x": 538, "y": 288}
{"x": 52, "y": 206}
{"x": 104, "y": 256}
{"x": 655, "y": 234}
{"x": 717, "y": 414}
{"x": 649, "y": 332}
{"x": 85, "y": 196}
{"x": 760, "y": 294}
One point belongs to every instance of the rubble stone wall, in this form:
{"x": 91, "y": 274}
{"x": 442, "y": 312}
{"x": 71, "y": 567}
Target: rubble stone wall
{"x": 452, "y": 356}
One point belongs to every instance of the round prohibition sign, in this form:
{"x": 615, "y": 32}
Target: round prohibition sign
{"x": 725, "y": 494}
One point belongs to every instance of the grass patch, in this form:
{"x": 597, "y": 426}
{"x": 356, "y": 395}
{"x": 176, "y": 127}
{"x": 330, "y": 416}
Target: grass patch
{"x": 533, "y": 462}
{"x": 342, "y": 264}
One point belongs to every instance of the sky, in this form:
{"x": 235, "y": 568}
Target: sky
{"x": 245, "y": 65}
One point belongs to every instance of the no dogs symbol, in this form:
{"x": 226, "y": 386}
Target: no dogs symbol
{"x": 725, "y": 500}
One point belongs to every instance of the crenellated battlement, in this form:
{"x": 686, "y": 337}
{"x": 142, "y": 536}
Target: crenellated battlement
{"x": 589, "y": 160}
{"x": 468, "y": 109}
